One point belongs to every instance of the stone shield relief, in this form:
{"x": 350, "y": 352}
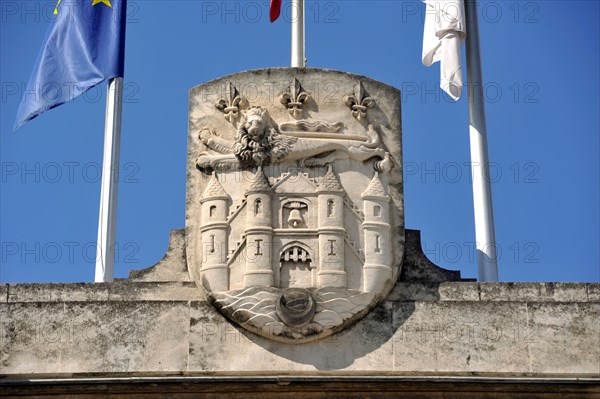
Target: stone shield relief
{"x": 294, "y": 207}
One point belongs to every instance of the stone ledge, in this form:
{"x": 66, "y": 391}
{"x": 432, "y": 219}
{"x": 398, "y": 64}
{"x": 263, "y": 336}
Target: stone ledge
{"x": 3, "y": 293}
{"x": 148, "y": 291}
{"x": 536, "y": 292}
{"x": 171, "y": 337}
{"x": 119, "y": 290}
{"x": 593, "y": 291}
{"x": 57, "y": 292}
{"x": 455, "y": 291}
{"x": 127, "y": 290}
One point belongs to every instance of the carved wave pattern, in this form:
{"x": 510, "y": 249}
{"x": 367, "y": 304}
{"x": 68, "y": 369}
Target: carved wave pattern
{"x": 254, "y": 308}
{"x": 312, "y": 126}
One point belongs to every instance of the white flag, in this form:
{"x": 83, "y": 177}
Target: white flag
{"x": 443, "y": 35}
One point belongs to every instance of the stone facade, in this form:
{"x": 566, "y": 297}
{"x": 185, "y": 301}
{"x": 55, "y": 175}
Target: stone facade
{"x": 295, "y": 277}
{"x": 146, "y": 326}
{"x": 425, "y": 337}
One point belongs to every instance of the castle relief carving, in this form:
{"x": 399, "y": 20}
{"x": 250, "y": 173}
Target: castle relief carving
{"x": 293, "y": 234}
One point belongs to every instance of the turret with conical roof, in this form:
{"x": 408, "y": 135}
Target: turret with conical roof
{"x": 259, "y": 184}
{"x": 375, "y": 189}
{"x": 214, "y": 190}
{"x": 259, "y": 232}
{"x": 214, "y": 210}
{"x": 331, "y": 272}
{"x": 377, "y": 236}
{"x": 329, "y": 183}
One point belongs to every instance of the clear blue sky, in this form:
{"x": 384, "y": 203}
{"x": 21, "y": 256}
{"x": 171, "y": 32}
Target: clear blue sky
{"x": 541, "y": 69}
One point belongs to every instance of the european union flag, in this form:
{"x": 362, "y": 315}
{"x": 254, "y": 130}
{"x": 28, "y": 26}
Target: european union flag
{"x": 84, "y": 46}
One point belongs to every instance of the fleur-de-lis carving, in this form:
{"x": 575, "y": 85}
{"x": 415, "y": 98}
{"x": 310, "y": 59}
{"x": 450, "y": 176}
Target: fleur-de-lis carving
{"x": 295, "y": 99}
{"x": 230, "y": 105}
{"x": 359, "y": 103}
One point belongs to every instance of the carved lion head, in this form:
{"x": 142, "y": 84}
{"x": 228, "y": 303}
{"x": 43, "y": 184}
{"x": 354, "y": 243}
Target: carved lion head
{"x": 258, "y": 142}
{"x": 256, "y": 121}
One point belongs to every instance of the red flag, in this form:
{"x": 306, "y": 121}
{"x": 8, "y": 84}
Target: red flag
{"x": 275, "y": 9}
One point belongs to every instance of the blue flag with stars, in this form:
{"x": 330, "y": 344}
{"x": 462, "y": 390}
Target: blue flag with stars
{"x": 84, "y": 46}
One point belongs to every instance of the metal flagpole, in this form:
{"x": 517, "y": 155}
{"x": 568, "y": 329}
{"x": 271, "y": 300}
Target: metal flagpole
{"x": 105, "y": 250}
{"x": 298, "y": 57}
{"x": 482, "y": 191}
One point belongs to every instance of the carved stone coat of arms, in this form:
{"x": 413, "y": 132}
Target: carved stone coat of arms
{"x": 294, "y": 219}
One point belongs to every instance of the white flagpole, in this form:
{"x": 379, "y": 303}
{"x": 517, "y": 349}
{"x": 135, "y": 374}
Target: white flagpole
{"x": 298, "y": 57}
{"x": 105, "y": 250}
{"x": 482, "y": 191}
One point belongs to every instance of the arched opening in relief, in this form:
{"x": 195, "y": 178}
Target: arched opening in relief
{"x": 377, "y": 211}
{"x": 257, "y": 207}
{"x": 211, "y": 244}
{"x": 377, "y": 244}
{"x": 330, "y": 208}
{"x": 212, "y": 211}
{"x": 295, "y": 268}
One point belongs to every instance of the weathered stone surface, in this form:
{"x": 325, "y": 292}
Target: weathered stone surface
{"x": 57, "y": 292}
{"x": 467, "y": 291}
{"x": 593, "y": 291}
{"x": 153, "y": 291}
{"x": 94, "y": 337}
{"x": 564, "y": 338}
{"x": 172, "y": 267}
{"x": 121, "y": 290}
{"x": 214, "y": 345}
{"x": 570, "y": 292}
{"x": 417, "y": 268}
{"x": 3, "y": 292}
{"x": 461, "y": 337}
{"x": 457, "y": 334}
{"x": 536, "y": 292}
